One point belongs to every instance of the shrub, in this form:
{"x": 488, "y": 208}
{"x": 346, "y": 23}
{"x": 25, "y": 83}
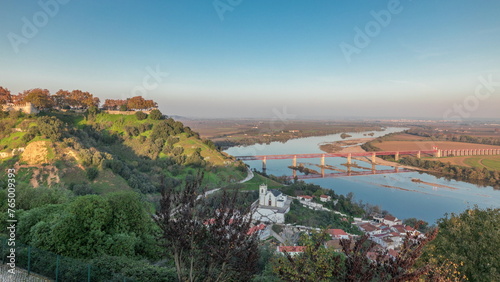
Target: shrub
{"x": 155, "y": 114}
{"x": 92, "y": 173}
{"x": 141, "y": 115}
{"x": 82, "y": 189}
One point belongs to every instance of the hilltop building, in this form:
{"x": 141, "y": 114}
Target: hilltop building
{"x": 26, "y": 108}
{"x": 273, "y": 205}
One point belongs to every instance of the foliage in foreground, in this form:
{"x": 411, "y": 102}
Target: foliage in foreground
{"x": 207, "y": 243}
{"x": 471, "y": 241}
{"x": 359, "y": 261}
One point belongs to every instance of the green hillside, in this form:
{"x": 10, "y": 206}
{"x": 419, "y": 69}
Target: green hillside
{"x": 98, "y": 153}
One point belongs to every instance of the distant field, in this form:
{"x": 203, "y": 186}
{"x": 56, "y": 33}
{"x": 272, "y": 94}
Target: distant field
{"x": 427, "y": 145}
{"x": 230, "y": 132}
{"x": 489, "y": 162}
{"x": 405, "y": 137}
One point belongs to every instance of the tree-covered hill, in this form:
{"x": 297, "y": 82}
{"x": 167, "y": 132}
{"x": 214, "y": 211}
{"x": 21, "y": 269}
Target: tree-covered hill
{"x": 96, "y": 152}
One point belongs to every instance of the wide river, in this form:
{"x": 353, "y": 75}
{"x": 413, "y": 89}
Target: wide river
{"x": 404, "y": 199}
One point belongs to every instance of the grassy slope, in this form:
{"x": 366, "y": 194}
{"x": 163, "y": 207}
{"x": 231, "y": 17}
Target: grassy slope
{"x": 258, "y": 179}
{"x": 71, "y": 170}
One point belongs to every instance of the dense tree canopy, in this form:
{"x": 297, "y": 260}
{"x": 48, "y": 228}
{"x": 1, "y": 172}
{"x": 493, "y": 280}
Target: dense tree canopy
{"x": 112, "y": 104}
{"x": 117, "y": 224}
{"x": 139, "y": 103}
{"x": 40, "y": 98}
{"x": 470, "y": 240}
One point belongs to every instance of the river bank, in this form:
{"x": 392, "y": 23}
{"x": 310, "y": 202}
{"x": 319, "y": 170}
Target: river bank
{"x": 395, "y": 192}
{"x": 354, "y": 146}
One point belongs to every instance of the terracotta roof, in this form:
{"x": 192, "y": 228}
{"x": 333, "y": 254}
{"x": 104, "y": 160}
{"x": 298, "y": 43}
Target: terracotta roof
{"x": 399, "y": 228}
{"x": 256, "y": 228}
{"x": 368, "y": 227}
{"x": 305, "y": 197}
{"x": 409, "y": 228}
{"x": 336, "y": 232}
{"x": 393, "y": 253}
{"x": 324, "y": 196}
{"x": 292, "y": 249}
{"x": 389, "y": 217}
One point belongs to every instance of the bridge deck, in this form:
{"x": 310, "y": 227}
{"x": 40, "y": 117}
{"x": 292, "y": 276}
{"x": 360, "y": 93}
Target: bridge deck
{"x": 330, "y": 155}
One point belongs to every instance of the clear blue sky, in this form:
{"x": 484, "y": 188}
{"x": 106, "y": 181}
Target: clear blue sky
{"x": 261, "y": 56}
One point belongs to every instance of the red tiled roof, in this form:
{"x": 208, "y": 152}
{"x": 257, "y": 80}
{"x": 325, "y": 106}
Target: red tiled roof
{"x": 393, "y": 253}
{"x": 305, "y": 197}
{"x": 336, "y": 232}
{"x": 368, "y": 227}
{"x": 400, "y": 228}
{"x": 409, "y": 228}
{"x": 389, "y": 217}
{"x": 256, "y": 228}
{"x": 324, "y": 196}
{"x": 292, "y": 249}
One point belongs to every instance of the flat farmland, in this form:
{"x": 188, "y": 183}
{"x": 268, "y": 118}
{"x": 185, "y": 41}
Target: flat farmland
{"x": 489, "y": 162}
{"x": 231, "y": 132}
{"x": 427, "y": 145}
{"x": 405, "y": 137}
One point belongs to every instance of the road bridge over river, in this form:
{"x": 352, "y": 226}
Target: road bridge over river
{"x": 435, "y": 152}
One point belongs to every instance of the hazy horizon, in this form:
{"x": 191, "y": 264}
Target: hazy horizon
{"x": 223, "y": 59}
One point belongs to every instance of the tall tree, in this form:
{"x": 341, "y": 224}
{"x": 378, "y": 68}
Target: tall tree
{"x": 207, "y": 243}
{"x": 5, "y": 96}
{"x": 61, "y": 99}
{"x": 111, "y": 104}
{"x": 40, "y": 98}
{"x": 139, "y": 103}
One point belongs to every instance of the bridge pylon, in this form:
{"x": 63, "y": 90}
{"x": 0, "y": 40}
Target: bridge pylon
{"x": 349, "y": 158}
{"x": 374, "y": 155}
{"x": 294, "y": 161}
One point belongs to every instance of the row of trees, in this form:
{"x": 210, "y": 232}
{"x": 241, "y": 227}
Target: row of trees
{"x": 75, "y": 99}
{"x": 42, "y": 99}
{"x": 426, "y": 132}
{"x": 134, "y": 103}
{"x": 470, "y": 174}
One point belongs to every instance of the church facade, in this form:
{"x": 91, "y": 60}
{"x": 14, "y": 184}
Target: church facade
{"x": 273, "y": 205}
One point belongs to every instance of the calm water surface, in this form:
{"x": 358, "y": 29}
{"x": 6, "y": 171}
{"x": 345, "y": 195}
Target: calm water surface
{"x": 405, "y": 199}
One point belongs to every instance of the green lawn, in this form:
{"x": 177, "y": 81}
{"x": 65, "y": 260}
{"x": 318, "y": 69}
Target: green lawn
{"x": 492, "y": 164}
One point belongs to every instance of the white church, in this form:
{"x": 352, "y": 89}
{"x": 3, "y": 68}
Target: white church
{"x": 273, "y": 205}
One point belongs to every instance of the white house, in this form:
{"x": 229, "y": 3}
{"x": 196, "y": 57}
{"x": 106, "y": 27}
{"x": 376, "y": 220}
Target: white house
{"x": 391, "y": 220}
{"x": 370, "y": 229}
{"x": 273, "y": 205}
{"x": 325, "y": 198}
{"x": 304, "y": 198}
